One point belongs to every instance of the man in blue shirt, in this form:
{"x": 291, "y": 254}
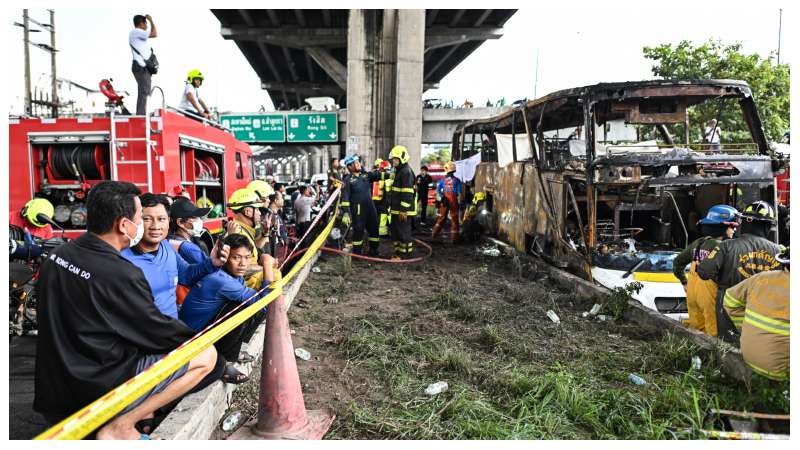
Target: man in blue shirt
{"x": 162, "y": 267}
{"x": 220, "y": 292}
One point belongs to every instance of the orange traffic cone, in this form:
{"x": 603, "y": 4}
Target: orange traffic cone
{"x": 281, "y": 409}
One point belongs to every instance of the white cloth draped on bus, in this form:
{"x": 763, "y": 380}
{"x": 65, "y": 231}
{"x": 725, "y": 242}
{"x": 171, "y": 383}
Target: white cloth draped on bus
{"x": 465, "y": 169}
{"x": 505, "y": 149}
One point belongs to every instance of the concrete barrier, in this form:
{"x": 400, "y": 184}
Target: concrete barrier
{"x": 198, "y": 414}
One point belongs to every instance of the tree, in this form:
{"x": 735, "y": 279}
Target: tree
{"x": 441, "y": 155}
{"x": 713, "y": 59}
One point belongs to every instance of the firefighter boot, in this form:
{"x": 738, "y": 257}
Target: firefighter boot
{"x": 373, "y": 248}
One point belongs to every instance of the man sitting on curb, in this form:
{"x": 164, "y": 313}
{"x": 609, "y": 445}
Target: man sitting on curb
{"x": 220, "y": 292}
{"x": 98, "y": 322}
{"x": 163, "y": 267}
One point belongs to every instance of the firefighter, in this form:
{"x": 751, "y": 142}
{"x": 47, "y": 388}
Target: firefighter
{"x": 403, "y": 203}
{"x": 734, "y": 260}
{"x": 719, "y": 224}
{"x": 357, "y": 196}
{"x": 448, "y": 194}
{"x": 470, "y": 228}
{"x": 759, "y": 308}
{"x": 379, "y": 197}
{"x": 28, "y": 218}
{"x": 246, "y": 206}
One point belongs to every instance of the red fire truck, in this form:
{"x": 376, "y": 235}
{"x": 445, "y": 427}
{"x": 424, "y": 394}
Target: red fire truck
{"x": 166, "y": 151}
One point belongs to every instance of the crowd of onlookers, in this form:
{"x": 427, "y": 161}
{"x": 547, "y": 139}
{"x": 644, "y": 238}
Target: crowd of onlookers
{"x": 139, "y": 283}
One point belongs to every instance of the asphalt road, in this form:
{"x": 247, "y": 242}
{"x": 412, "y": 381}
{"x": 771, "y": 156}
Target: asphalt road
{"x": 24, "y": 422}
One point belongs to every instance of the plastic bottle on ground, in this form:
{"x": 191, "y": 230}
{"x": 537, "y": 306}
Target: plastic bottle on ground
{"x": 436, "y": 388}
{"x": 636, "y": 379}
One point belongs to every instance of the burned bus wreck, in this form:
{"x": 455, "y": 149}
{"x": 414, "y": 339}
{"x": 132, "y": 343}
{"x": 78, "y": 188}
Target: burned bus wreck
{"x": 609, "y": 181}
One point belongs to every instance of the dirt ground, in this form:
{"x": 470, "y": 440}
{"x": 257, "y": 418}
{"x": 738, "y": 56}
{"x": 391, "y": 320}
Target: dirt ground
{"x": 379, "y": 334}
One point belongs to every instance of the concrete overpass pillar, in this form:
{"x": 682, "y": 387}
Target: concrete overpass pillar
{"x": 408, "y": 102}
{"x": 384, "y": 84}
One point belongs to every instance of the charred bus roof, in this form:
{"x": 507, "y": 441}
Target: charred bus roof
{"x": 611, "y": 101}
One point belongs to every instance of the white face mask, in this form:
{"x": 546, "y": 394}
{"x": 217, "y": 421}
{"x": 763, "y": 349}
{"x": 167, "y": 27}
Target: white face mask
{"x": 139, "y": 233}
{"x": 197, "y": 228}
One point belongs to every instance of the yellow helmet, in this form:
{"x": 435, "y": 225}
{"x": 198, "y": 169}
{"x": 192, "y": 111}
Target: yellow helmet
{"x": 244, "y": 197}
{"x": 37, "y": 206}
{"x": 399, "y": 152}
{"x": 378, "y": 162}
{"x": 261, "y": 187}
{"x": 194, "y": 73}
{"x": 449, "y": 166}
{"x": 479, "y": 197}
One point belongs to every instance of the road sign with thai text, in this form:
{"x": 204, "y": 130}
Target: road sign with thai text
{"x": 312, "y": 127}
{"x": 257, "y": 127}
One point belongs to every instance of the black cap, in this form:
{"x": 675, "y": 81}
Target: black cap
{"x": 183, "y": 208}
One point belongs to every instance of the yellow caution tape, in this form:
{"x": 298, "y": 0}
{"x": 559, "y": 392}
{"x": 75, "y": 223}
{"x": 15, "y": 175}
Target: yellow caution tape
{"x": 656, "y": 277}
{"x": 97, "y": 413}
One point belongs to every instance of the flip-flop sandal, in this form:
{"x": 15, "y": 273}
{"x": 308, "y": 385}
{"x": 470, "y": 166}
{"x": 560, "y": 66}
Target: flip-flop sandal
{"x": 245, "y": 358}
{"x": 233, "y": 376}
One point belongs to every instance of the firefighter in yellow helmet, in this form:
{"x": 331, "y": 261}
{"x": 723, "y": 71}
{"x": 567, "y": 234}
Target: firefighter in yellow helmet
{"x": 29, "y": 218}
{"x": 759, "y": 308}
{"x": 403, "y": 203}
{"x": 448, "y": 194}
{"x": 246, "y": 206}
{"x": 190, "y": 100}
{"x": 470, "y": 228}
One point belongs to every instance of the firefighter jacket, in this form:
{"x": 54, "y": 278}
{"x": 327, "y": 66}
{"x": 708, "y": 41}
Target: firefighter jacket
{"x": 759, "y": 307}
{"x": 379, "y": 186}
{"x": 97, "y": 318}
{"x": 734, "y": 260}
{"x": 255, "y": 275}
{"x": 402, "y": 199}
{"x": 357, "y": 189}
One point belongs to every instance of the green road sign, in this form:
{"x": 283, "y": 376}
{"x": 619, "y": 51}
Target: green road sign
{"x": 312, "y": 127}
{"x": 257, "y": 127}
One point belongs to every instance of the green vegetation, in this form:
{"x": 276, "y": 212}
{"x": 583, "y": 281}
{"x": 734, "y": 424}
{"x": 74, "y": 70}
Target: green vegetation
{"x": 493, "y": 396}
{"x": 713, "y": 59}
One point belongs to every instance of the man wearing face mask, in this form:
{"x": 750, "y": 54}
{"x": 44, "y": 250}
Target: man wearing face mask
{"x": 185, "y": 227}
{"x": 99, "y": 325}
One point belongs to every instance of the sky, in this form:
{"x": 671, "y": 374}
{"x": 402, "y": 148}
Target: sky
{"x": 575, "y": 46}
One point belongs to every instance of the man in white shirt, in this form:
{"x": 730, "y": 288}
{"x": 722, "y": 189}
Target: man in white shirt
{"x": 190, "y": 100}
{"x": 302, "y": 208}
{"x": 711, "y": 134}
{"x": 140, "y": 49}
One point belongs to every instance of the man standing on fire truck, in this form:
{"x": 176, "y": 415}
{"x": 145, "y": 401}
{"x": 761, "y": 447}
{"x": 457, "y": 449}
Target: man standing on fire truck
{"x": 140, "y": 48}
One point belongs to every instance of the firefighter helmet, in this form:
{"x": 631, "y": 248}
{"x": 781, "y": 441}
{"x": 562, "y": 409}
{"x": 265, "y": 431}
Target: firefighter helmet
{"x": 378, "y": 162}
{"x": 399, "y": 152}
{"x": 479, "y": 197}
{"x": 761, "y": 211}
{"x": 261, "y": 187}
{"x": 244, "y": 197}
{"x": 350, "y": 159}
{"x": 37, "y": 206}
{"x": 720, "y": 215}
{"x": 449, "y": 167}
{"x": 194, "y": 73}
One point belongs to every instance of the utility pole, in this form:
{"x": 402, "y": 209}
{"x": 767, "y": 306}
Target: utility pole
{"x": 780, "y": 22}
{"x": 25, "y": 31}
{"x": 53, "y": 80}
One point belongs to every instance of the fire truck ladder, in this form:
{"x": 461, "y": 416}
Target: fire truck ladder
{"x": 117, "y": 141}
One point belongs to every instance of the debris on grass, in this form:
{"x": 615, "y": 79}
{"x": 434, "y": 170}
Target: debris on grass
{"x": 302, "y": 354}
{"x": 436, "y": 388}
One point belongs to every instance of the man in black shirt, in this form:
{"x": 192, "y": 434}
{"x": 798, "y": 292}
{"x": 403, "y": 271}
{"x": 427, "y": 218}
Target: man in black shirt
{"x": 423, "y": 182}
{"x": 98, "y": 323}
